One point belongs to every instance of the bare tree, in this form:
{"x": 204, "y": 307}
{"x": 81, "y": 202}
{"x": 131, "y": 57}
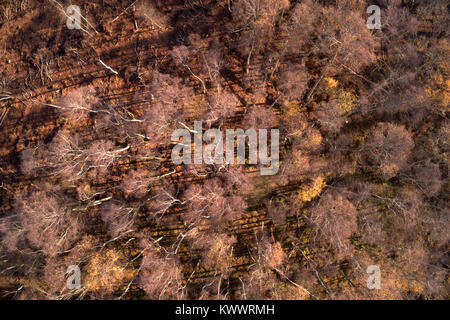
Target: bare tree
{"x": 214, "y": 62}
{"x": 102, "y": 155}
{"x": 293, "y": 81}
{"x": 164, "y": 199}
{"x": 147, "y": 11}
{"x": 54, "y": 274}
{"x": 300, "y": 26}
{"x": 217, "y": 251}
{"x": 169, "y": 99}
{"x": 119, "y": 219}
{"x": 280, "y": 208}
{"x": 136, "y": 184}
{"x": 260, "y": 118}
{"x": 258, "y": 283}
{"x": 334, "y": 219}
{"x": 261, "y": 281}
{"x": 330, "y": 117}
{"x": 255, "y": 19}
{"x": 428, "y": 177}
{"x": 388, "y": 147}
{"x": 345, "y": 39}
{"x": 371, "y": 227}
{"x": 47, "y": 222}
{"x": 398, "y": 22}
{"x": 160, "y": 276}
{"x": 211, "y": 200}
{"x": 181, "y": 55}
{"x": 296, "y": 165}
{"x": 68, "y": 157}
{"x": 221, "y": 105}
{"x": 78, "y": 103}
{"x": 235, "y": 178}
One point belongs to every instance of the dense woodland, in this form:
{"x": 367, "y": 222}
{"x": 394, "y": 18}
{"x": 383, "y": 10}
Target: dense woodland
{"x": 86, "y": 178}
